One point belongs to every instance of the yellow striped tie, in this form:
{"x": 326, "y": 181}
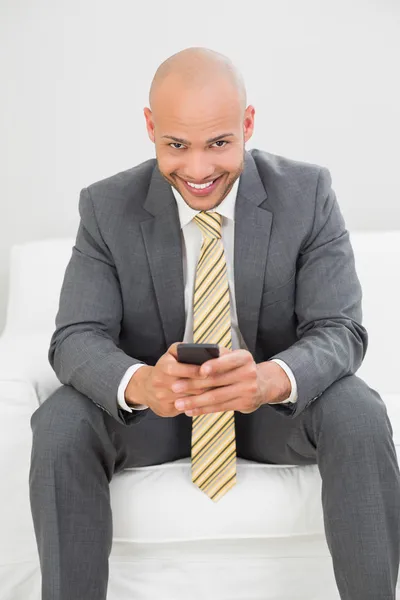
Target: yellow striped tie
{"x": 213, "y": 434}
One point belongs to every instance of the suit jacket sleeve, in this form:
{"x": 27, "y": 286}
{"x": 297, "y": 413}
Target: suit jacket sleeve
{"x": 84, "y": 349}
{"x": 331, "y": 340}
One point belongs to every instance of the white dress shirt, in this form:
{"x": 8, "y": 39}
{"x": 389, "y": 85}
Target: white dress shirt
{"x": 191, "y": 245}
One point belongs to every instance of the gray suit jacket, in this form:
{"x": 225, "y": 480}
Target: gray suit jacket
{"x": 297, "y": 292}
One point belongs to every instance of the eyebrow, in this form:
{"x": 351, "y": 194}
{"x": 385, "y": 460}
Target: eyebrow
{"x": 187, "y": 143}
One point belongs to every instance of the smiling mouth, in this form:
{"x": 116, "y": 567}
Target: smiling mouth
{"x": 203, "y": 185}
{"x": 201, "y": 189}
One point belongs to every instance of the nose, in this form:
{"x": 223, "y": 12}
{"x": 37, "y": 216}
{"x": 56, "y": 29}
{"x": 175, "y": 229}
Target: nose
{"x": 198, "y": 170}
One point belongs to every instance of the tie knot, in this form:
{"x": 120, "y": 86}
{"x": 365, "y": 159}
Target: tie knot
{"x": 209, "y": 223}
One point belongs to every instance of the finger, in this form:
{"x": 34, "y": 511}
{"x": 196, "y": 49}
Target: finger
{"x": 192, "y": 393}
{"x": 229, "y": 378}
{"x": 173, "y": 350}
{"x": 212, "y": 397}
{"x": 226, "y": 362}
{"x": 174, "y": 368}
{"x": 223, "y": 350}
{"x": 214, "y": 408}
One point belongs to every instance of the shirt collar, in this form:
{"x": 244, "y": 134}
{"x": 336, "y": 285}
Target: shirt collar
{"x": 226, "y": 208}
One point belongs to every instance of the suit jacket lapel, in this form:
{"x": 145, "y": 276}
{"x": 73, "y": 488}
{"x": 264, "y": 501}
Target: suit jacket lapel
{"x": 162, "y": 239}
{"x": 252, "y": 234}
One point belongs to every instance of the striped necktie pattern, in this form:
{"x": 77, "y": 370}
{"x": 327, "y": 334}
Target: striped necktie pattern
{"x": 213, "y": 434}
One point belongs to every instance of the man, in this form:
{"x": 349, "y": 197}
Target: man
{"x": 290, "y": 336}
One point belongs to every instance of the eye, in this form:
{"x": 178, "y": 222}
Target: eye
{"x": 175, "y": 144}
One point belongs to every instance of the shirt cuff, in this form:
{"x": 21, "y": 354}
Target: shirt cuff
{"x": 122, "y": 387}
{"x": 293, "y": 394}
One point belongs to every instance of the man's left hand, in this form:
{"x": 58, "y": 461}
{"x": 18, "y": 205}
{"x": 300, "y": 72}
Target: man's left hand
{"x": 232, "y": 382}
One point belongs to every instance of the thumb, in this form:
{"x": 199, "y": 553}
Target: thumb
{"x": 223, "y": 350}
{"x": 173, "y": 349}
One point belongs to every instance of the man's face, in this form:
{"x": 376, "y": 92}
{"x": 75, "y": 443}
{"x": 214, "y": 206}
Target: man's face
{"x": 200, "y": 137}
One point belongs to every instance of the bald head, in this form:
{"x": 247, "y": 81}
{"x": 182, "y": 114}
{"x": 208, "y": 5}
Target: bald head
{"x": 199, "y": 124}
{"x": 196, "y": 68}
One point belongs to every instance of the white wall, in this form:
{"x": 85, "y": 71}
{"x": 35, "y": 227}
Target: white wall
{"x": 323, "y": 76}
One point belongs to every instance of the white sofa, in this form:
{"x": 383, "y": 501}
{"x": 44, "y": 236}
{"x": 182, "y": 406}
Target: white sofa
{"x": 263, "y": 541}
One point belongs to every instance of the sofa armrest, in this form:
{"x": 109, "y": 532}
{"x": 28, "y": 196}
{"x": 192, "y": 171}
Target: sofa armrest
{"x": 24, "y": 359}
{"x": 26, "y": 380}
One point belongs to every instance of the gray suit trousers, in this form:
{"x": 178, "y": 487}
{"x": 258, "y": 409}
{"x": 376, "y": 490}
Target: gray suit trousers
{"x": 77, "y": 448}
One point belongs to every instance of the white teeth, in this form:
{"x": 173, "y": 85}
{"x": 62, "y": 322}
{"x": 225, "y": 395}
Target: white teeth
{"x": 201, "y": 186}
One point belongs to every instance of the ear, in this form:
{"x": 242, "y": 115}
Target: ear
{"x": 248, "y": 123}
{"x": 148, "y": 115}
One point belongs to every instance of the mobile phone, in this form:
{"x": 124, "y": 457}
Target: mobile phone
{"x": 197, "y": 354}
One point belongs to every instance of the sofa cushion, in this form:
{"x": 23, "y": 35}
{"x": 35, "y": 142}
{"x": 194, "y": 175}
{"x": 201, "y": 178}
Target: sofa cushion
{"x": 268, "y": 501}
{"x": 377, "y": 258}
{"x": 25, "y": 358}
{"x": 36, "y": 275}
{"x": 18, "y": 400}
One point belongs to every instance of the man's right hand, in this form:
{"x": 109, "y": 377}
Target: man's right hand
{"x": 152, "y": 385}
